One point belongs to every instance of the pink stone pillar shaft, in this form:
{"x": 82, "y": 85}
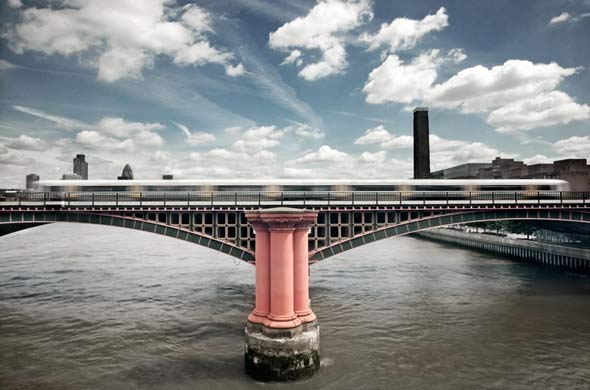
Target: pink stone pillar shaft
{"x": 262, "y": 254}
{"x": 301, "y": 274}
{"x": 282, "y": 310}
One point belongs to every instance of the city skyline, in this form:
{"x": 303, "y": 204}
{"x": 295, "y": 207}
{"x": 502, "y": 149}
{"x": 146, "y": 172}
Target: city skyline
{"x": 273, "y": 89}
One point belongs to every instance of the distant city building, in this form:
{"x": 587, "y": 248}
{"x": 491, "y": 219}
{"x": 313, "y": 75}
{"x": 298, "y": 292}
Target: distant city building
{"x": 127, "y": 173}
{"x": 421, "y": 143}
{"x": 71, "y": 176}
{"x": 81, "y": 166}
{"x": 503, "y": 168}
{"x": 575, "y": 171}
{"x": 31, "y": 179}
{"x": 463, "y": 171}
{"x": 167, "y": 177}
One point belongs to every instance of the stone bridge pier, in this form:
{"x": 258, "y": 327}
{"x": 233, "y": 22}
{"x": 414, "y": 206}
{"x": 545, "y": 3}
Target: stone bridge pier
{"x": 282, "y": 333}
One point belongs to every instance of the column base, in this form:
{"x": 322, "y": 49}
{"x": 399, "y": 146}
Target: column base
{"x": 282, "y": 354}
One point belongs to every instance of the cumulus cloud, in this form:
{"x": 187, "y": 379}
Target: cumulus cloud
{"x": 322, "y": 29}
{"x": 195, "y": 138}
{"x": 545, "y": 109}
{"x": 126, "y": 35}
{"x": 444, "y": 152}
{"x": 119, "y": 127}
{"x": 306, "y": 132}
{"x": 404, "y": 33}
{"x": 94, "y": 140}
{"x": 142, "y": 133}
{"x": 393, "y": 81}
{"x": 381, "y": 136}
{"x": 24, "y": 142}
{"x": 478, "y": 88}
{"x": 467, "y": 153}
{"x": 517, "y": 95}
{"x": 574, "y": 147}
{"x": 324, "y": 154}
{"x": 258, "y": 138}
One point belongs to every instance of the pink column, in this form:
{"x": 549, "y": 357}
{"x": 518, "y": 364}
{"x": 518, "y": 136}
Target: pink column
{"x": 282, "y": 309}
{"x": 262, "y": 254}
{"x": 301, "y": 268}
{"x": 282, "y": 281}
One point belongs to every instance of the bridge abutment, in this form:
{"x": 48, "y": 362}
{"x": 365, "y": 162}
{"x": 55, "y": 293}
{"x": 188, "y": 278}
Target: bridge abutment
{"x": 282, "y": 334}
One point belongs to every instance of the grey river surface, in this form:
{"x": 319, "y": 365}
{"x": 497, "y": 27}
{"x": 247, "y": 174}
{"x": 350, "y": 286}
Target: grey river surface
{"x": 94, "y": 307}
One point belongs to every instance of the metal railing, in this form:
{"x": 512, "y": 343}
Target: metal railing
{"x": 294, "y": 198}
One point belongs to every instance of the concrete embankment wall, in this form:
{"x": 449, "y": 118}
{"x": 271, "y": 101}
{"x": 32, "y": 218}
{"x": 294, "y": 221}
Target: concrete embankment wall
{"x": 561, "y": 257}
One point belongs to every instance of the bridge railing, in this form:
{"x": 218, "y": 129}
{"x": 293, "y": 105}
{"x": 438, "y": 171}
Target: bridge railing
{"x": 294, "y": 198}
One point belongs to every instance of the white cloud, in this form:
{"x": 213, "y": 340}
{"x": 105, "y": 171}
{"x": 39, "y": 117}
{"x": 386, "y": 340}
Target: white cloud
{"x": 438, "y": 143}
{"x": 574, "y": 147}
{"x": 195, "y": 138}
{"x": 307, "y": 132}
{"x": 16, "y": 160}
{"x": 149, "y": 138}
{"x": 381, "y": 136}
{"x": 324, "y": 154}
{"x": 234, "y": 71}
{"x": 546, "y": 109}
{"x": 126, "y": 35}
{"x": 457, "y": 55}
{"x": 292, "y": 57}
{"x": 24, "y": 142}
{"x": 467, "y": 152}
{"x": 322, "y": 29}
{"x": 537, "y": 159}
{"x": 444, "y": 152}
{"x": 94, "y": 140}
{"x": 373, "y": 158}
{"x": 478, "y": 88}
{"x": 404, "y": 33}
{"x": 517, "y": 95}
{"x": 393, "y": 81}
{"x": 563, "y": 17}
{"x": 258, "y": 138}
{"x": 119, "y": 127}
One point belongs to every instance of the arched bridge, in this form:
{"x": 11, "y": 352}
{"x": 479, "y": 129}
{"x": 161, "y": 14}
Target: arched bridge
{"x": 344, "y": 220}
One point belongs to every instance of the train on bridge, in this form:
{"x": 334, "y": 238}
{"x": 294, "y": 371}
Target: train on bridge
{"x": 294, "y": 185}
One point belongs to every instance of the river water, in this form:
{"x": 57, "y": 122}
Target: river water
{"x": 94, "y": 307}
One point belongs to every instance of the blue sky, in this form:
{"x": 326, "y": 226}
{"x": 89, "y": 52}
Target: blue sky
{"x": 271, "y": 88}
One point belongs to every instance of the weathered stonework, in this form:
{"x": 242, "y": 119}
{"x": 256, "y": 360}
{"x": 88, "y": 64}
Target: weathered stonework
{"x": 282, "y": 354}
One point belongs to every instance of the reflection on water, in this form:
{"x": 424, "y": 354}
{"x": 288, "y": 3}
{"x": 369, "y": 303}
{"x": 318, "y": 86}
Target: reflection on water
{"x": 97, "y": 307}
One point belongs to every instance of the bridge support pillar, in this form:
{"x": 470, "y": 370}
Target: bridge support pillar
{"x": 282, "y": 333}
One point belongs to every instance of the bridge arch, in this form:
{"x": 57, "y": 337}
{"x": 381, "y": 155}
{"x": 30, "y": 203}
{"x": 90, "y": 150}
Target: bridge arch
{"x": 20, "y": 220}
{"x": 434, "y": 221}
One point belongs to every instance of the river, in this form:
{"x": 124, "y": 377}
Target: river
{"x": 94, "y": 307}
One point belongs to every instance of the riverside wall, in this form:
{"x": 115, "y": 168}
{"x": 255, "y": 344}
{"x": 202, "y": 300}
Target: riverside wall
{"x": 557, "y": 256}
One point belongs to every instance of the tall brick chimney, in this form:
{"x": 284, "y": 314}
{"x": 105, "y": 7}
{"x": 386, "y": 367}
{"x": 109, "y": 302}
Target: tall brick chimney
{"x": 421, "y": 144}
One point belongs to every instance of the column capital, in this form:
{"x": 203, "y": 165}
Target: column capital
{"x": 281, "y": 218}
